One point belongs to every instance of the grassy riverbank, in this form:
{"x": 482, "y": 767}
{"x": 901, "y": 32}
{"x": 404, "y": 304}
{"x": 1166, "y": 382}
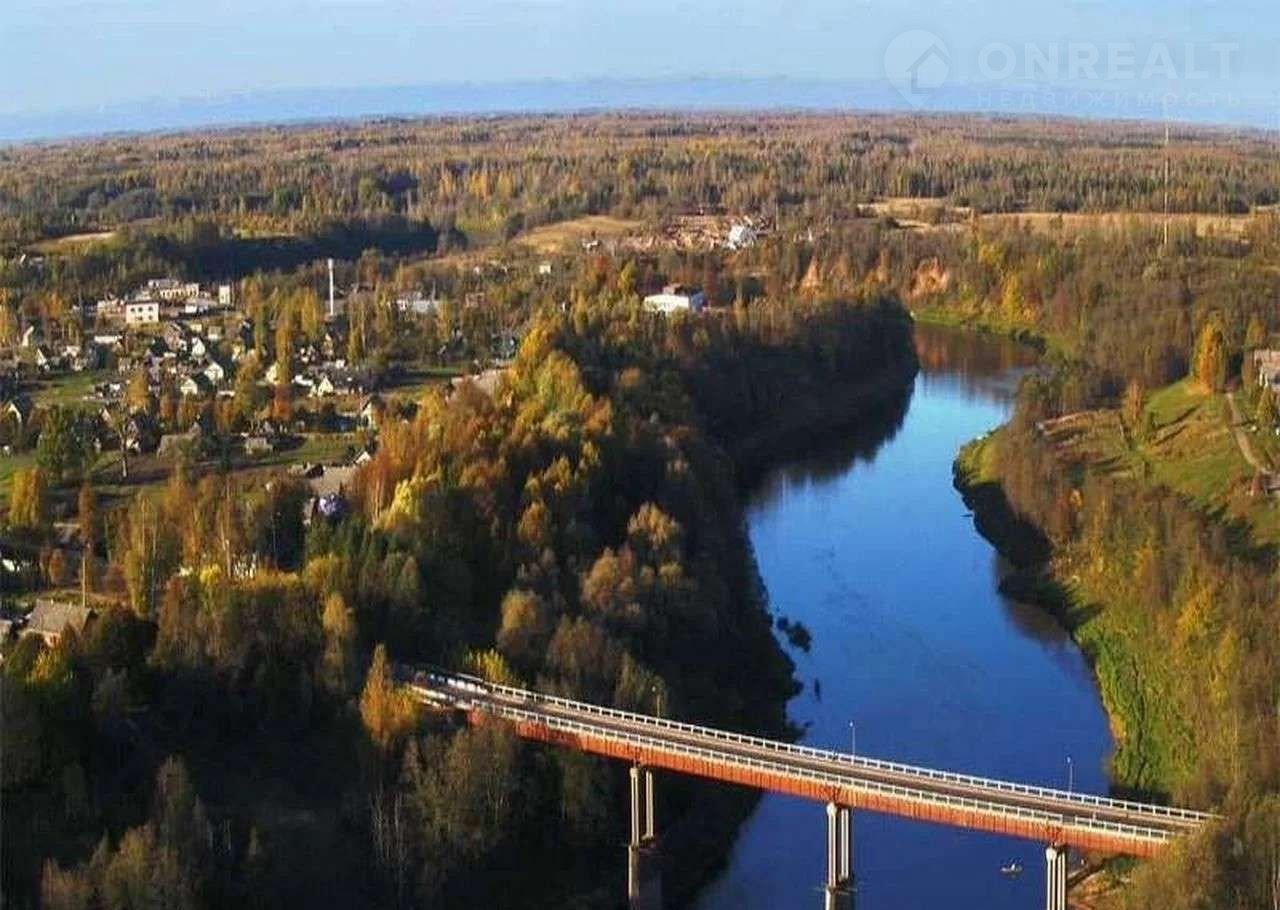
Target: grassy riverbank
{"x": 951, "y": 315}
{"x": 1124, "y": 654}
{"x": 1141, "y": 537}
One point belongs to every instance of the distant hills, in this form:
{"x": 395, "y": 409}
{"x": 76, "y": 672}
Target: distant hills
{"x": 304, "y": 105}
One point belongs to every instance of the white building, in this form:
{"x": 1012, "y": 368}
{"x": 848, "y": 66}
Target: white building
{"x": 224, "y": 295}
{"x": 141, "y": 312}
{"x": 675, "y": 298}
{"x": 417, "y": 303}
{"x": 172, "y": 290}
{"x": 215, "y": 372}
{"x": 742, "y": 236}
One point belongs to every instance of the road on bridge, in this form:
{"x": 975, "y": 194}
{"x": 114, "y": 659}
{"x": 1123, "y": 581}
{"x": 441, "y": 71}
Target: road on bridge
{"x": 1039, "y": 813}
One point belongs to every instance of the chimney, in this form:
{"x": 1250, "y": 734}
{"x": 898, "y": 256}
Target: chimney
{"x": 331, "y": 303}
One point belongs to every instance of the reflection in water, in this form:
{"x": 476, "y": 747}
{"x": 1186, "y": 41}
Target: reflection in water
{"x": 867, "y": 543}
{"x": 978, "y": 365}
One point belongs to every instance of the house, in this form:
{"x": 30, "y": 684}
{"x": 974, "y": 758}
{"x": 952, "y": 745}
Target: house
{"x": 742, "y": 236}
{"x": 371, "y": 411}
{"x": 197, "y": 385}
{"x": 17, "y": 409}
{"x": 175, "y": 336}
{"x": 332, "y": 481}
{"x": 110, "y": 310}
{"x": 171, "y": 290}
{"x": 198, "y": 306}
{"x": 197, "y": 348}
{"x": 224, "y": 295}
{"x": 52, "y": 618}
{"x": 272, "y": 374}
{"x": 417, "y": 303}
{"x": 258, "y": 445}
{"x": 141, "y": 312}
{"x": 544, "y": 268}
{"x": 1268, "y": 367}
{"x": 486, "y": 381}
{"x": 324, "y": 386}
{"x": 215, "y": 372}
{"x": 45, "y": 360}
{"x": 141, "y": 433}
{"x": 87, "y": 356}
{"x": 15, "y": 562}
{"x": 173, "y": 443}
{"x": 675, "y": 298}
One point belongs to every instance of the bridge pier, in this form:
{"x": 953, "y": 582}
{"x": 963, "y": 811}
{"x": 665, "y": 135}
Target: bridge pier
{"x": 839, "y": 888}
{"x": 1056, "y": 856}
{"x": 644, "y": 882}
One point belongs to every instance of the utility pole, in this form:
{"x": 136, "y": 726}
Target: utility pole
{"x": 1166, "y": 181}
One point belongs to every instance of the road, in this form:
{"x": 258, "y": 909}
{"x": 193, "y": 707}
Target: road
{"x": 1006, "y": 807}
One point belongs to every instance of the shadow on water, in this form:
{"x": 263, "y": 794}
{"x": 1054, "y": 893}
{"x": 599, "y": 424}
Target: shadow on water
{"x": 836, "y": 454}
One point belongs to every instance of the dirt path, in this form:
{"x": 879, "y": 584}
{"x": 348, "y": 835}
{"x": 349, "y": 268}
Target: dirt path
{"x": 1242, "y": 439}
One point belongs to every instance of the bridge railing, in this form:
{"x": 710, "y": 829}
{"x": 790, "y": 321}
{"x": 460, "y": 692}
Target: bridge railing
{"x": 1052, "y": 820}
{"x": 479, "y": 686}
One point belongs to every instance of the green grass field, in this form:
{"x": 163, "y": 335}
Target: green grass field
{"x": 1190, "y": 448}
{"x": 71, "y": 389}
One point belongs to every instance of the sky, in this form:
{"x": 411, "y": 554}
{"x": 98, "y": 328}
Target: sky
{"x": 84, "y": 55}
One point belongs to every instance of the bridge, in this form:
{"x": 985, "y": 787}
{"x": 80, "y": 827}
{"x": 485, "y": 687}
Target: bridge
{"x": 1060, "y": 819}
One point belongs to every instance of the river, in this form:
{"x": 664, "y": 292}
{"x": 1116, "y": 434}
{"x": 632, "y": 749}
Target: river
{"x": 872, "y": 549}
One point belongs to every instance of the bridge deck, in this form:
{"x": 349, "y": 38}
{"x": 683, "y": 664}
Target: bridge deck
{"x": 1047, "y": 815}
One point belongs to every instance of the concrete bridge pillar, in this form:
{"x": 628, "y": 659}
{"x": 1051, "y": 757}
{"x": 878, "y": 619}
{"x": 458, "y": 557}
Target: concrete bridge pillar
{"x": 644, "y": 881}
{"x": 1056, "y": 856}
{"x": 839, "y": 888}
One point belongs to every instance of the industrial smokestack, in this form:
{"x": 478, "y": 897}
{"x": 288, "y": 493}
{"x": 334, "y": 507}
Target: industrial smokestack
{"x": 331, "y": 301}
{"x": 331, "y": 290}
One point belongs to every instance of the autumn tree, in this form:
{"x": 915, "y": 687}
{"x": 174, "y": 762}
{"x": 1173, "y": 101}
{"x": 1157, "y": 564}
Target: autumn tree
{"x": 148, "y": 552}
{"x": 1210, "y": 362}
{"x": 28, "y": 500}
{"x": 388, "y": 711}
{"x": 138, "y": 395}
{"x": 1267, "y": 413}
{"x": 339, "y": 626}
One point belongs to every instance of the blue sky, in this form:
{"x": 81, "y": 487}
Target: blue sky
{"x": 82, "y": 54}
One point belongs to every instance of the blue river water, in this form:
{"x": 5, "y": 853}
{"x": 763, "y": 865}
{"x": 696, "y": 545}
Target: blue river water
{"x": 874, "y": 551}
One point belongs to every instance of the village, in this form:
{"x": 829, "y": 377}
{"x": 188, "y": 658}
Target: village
{"x": 177, "y": 371}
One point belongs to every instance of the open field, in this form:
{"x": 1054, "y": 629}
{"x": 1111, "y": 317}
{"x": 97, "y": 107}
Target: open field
{"x": 551, "y": 238}
{"x": 1234, "y": 226}
{"x": 71, "y": 389}
{"x": 71, "y": 242}
{"x": 926, "y": 214}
